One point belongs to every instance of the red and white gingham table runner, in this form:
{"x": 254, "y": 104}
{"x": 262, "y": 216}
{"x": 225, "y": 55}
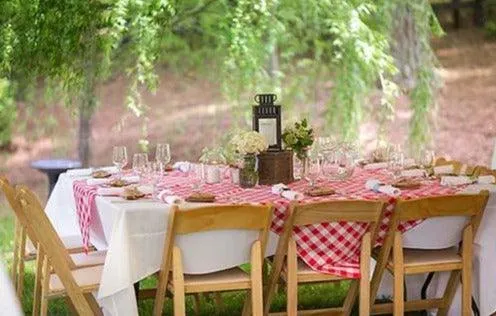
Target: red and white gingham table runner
{"x": 331, "y": 248}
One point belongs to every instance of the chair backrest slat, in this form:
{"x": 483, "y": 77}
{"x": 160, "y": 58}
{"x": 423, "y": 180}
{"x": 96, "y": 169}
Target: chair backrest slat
{"x": 441, "y": 206}
{"x": 247, "y": 217}
{"x": 337, "y": 211}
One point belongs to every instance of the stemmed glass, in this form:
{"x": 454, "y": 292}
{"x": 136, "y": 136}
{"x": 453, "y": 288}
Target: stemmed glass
{"x": 163, "y": 155}
{"x": 139, "y": 163}
{"x": 313, "y": 169}
{"x": 119, "y": 157}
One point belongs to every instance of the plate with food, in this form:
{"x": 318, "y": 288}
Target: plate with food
{"x": 407, "y": 183}
{"x": 100, "y": 174}
{"x": 320, "y": 191}
{"x": 133, "y": 194}
{"x": 201, "y": 197}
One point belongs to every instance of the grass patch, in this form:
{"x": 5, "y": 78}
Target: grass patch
{"x": 309, "y": 296}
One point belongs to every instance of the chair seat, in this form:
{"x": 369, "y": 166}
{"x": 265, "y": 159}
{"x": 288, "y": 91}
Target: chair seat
{"x": 73, "y": 244}
{"x": 227, "y": 280}
{"x": 305, "y": 274}
{"x": 91, "y": 259}
{"x": 88, "y": 279}
{"x": 420, "y": 261}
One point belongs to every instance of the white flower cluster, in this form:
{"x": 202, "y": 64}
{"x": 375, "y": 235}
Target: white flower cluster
{"x": 249, "y": 143}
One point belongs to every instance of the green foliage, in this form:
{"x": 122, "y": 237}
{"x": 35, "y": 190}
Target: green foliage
{"x": 285, "y": 46}
{"x": 8, "y": 113}
{"x": 299, "y": 137}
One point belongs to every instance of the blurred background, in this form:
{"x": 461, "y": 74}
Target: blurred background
{"x": 190, "y": 111}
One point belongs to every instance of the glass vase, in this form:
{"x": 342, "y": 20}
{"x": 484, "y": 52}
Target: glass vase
{"x": 248, "y": 175}
{"x": 300, "y": 165}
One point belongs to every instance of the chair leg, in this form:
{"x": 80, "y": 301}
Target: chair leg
{"x": 350, "y": 299}
{"x": 38, "y": 278}
{"x": 20, "y": 268}
{"x": 256, "y": 280}
{"x": 398, "y": 274}
{"x": 15, "y": 261}
{"x": 178, "y": 279}
{"x": 45, "y": 277}
{"x": 449, "y": 292}
{"x": 196, "y": 304}
{"x": 365, "y": 276}
{"x": 467, "y": 272}
{"x": 292, "y": 282}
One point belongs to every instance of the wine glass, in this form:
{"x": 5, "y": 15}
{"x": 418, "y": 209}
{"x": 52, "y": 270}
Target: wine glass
{"x": 119, "y": 157}
{"x": 139, "y": 163}
{"x": 163, "y": 155}
{"x": 313, "y": 169}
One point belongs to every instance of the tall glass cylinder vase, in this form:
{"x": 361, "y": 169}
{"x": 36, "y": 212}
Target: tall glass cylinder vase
{"x": 248, "y": 175}
{"x": 300, "y": 164}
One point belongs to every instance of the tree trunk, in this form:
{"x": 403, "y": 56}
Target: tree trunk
{"x": 87, "y": 105}
{"x": 85, "y": 114}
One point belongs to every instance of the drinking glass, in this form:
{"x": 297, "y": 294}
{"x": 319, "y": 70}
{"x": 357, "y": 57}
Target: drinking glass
{"x": 396, "y": 161}
{"x": 119, "y": 157}
{"x": 197, "y": 174}
{"x": 163, "y": 155}
{"x": 139, "y": 163}
{"x": 313, "y": 169}
{"x": 427, "y": 158}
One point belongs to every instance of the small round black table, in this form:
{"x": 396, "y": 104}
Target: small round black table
{"x": 53, "y": 168}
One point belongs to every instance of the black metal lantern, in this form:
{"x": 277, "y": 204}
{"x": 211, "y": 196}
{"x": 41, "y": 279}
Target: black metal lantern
{"x": 267, "y": 120}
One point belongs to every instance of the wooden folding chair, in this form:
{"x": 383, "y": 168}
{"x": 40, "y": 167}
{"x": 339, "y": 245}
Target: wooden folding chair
{"x": 68, "y": 280}
{"x": 22, "y": 253}
{"x": 400, "y": 262}
{"x": 458, "y": 167}
{"x": 183, "y": 222}
{"x": 298, "y": 272}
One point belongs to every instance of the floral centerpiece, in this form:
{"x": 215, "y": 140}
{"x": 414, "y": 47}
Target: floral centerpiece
{"x": 249, "y": 145}
{"x": 299, "y": 137}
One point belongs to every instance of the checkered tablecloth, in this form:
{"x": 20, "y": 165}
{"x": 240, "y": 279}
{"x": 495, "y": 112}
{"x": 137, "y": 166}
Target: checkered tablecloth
{"x": 331, "y": 248}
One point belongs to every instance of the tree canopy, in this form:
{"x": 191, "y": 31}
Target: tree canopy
{"x": 257, "y": 45}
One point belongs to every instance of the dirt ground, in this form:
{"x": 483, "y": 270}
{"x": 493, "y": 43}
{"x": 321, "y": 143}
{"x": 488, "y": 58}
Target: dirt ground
{"x": 189, "y": 113}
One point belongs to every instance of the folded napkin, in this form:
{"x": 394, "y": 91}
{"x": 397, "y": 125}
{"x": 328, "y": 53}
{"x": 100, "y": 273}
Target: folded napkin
{"x": 98, "y": 181}
{"x": 145, "y": 189}
{"x": 166, "y": 196}
{"x": 284, "y": 191}
{"x": 486, "y": 179}
{"x": 413, "y": 173}
{"x": 376, "y": 165}
{"x": 446, "y": 169}
{"x": 182, "y": 166}
{"x": 455, "y": 180}
{"x": 131, "y": 179}
{"x": 79, "y": 172}
{"x": 377, "y": 186}
{"x": 110, "y": 191}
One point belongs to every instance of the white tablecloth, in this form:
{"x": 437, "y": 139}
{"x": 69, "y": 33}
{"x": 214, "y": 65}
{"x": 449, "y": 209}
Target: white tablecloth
{"x": 133, "y": 235}
{"x": 9, "y": 304}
